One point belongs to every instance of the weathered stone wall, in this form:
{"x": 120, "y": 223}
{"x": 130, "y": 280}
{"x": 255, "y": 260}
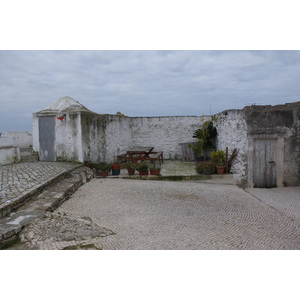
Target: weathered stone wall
{"x": 104, "y": 136}
{"x": 85, "y": 135}
{"x": 35, "y": 133}
{"x": 10, "y": 144}
{"x": 119, "y": 136}
{"x": 68, "y": 138}
{"x": 292, "y": 152}
{"x": 232, "y": 133}
{"x": 9, "y": 155}
{"x": 282, "y": 123}
{"x": 16, "y": 139}
{"x": 165, "y": 133}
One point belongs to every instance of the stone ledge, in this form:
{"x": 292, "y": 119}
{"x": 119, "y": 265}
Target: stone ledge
{"x": 47, "y": 200}
{"x": 26, "y": 196}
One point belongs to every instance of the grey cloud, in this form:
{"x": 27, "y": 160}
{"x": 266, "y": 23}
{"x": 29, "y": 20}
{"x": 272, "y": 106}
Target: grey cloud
{"x": 144, "y": 82}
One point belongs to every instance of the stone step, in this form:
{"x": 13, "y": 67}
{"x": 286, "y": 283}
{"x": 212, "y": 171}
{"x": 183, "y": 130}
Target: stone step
{"x": 27, "y": 155}
{"x": 26, "y": 151}
{"x": 47, "y": 200}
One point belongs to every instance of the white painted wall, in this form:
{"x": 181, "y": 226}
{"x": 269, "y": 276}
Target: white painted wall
{"x": 89, "y": 136}
{"x": 16, "y": 139}
{"x": 165, "y": 133}
{"x": 119, "y": 137}
{"x": 106, "y": 136}
{"x": 9, "y": 155}
{"x": 232, "y": 133}
{"x": 68, "y": 137}
{"x": 10, "y": 144}
{"x": 35, "y": 133}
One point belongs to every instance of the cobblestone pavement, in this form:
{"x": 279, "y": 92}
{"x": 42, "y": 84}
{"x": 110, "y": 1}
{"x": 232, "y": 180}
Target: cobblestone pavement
{"x": 284, "y": 200}
{"x": 188, "y": 215}
{"x": 19, "y": 179}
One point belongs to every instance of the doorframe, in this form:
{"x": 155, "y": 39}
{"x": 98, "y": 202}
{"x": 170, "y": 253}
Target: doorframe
{"x": 279, "y": 157}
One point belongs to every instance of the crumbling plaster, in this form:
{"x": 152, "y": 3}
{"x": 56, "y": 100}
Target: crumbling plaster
{"x": 106, "y": 136}
{"x": 232, "y": 133}
{"x": 85, "y": 135}
{"x": 282, "y": 123}
{"x": 68, "y": 138}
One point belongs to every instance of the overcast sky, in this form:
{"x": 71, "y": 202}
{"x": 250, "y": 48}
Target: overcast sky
{"x": 144, "y": 83}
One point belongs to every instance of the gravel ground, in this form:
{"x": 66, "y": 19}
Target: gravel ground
{"x": 182, "y": 215}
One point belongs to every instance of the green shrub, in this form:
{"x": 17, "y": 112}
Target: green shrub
{"x": 154, "y": 167}
{"x": 142, "y": 167}
{"x": 206, "y": 168}
{"x": 131, "y": 165}
{"x": 218, "y": 157}
{"x": 103, "y": 166}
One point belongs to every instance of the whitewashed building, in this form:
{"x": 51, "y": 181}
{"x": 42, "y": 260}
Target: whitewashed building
{"x": 267, "y": 138}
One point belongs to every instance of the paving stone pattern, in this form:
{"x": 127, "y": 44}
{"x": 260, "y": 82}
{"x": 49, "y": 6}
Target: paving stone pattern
{"x": 19, "y": 179}
{"x": 184, "y": 215}
{"x": 111, "y": 213}
{"x": 40, "y": 200}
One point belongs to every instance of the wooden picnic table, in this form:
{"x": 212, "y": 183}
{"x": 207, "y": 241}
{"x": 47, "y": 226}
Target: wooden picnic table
{"x": 141, "y": 154}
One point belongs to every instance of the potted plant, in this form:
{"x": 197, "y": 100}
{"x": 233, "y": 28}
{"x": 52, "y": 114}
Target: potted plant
{"x": 143, "y": 168}
{"x": 205, "y": 140}
{"x": 116, "y": 168}
{"x": 219, "y": 158}
{"x": 103, "y": 169}
{"x": 154, "y": 170}
{"x": 206, "y": 168}
{"x": 131, "y": 167}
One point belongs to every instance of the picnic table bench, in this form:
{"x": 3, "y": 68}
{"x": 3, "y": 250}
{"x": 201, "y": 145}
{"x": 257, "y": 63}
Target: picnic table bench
{"x": 153, "y": 156}
{"x": 142, "y": 154}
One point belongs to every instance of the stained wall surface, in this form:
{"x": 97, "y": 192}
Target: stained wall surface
{"x": 16, "y": 139}
{"x": 282, "y": 124}
{"x": 10, "y": 144}
{"x": 232, "y": 133}
{"x": 106, "y": 136}
{"x": 84, "y": 135}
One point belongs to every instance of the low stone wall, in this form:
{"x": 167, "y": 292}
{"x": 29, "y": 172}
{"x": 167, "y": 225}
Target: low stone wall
{"x": 16, "y": 139}
{"x": 10, "y": 144}
{"x": 9, "y": 155}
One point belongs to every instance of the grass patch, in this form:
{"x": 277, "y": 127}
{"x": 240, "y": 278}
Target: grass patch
{"x": 11, "y": 243}
{"x": 81, "y": 247}
{"x": 171, "y": 177}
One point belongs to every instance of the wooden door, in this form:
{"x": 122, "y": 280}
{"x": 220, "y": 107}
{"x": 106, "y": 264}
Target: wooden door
{"x": 264, "y": 172}
{"x": 47, "y": 138}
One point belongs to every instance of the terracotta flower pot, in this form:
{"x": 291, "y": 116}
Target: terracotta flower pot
{"x": 131, "y": 171}
{"x": 220, "y": 170}
{"x": 116, "y": 167}
{"x": 144, "y": 173}
{"x": 154, "y": 172}
{"x": 103, "y": 174}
